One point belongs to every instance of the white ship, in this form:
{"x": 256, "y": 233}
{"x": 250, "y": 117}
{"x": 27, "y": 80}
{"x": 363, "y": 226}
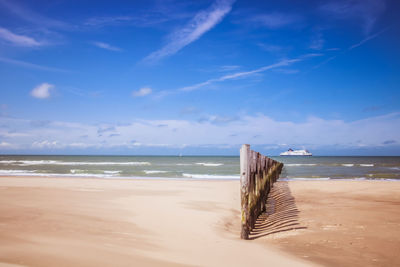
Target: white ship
{"x": 292, "y": 152}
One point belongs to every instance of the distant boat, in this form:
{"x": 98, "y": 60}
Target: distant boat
{"x": 292, "y": 152}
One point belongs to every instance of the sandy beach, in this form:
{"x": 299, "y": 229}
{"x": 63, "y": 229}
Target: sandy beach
{"x": 100, "y": 222}
{"x": 337, "y": 223}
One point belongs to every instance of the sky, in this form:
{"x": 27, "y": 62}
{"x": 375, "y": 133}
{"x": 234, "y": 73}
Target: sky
{"x": 199, "y": 77}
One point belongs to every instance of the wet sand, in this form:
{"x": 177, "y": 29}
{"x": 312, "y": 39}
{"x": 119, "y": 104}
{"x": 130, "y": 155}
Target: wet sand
{"x": 98, "y": 222}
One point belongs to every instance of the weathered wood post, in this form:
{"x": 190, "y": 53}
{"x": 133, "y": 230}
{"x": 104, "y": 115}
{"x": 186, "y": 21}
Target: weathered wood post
{"x": 244, "y": 189}
{"x": 257, "y": 175}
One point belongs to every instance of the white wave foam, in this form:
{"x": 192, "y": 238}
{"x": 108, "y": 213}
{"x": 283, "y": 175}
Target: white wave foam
{"x": 184, "y": 164}
{"x": 348, "y": 165}
{"x": 38, "y": 174}
{"x": 209, "y": 164}
{"x": 77, "y": 175}
{"x": 34, "y": 162}
{"x": 85, "y": 173}
{"x": 7, "y": 161}
{"x": 299, "y": 164}
{"x": 359, "y": 179}
{"x": 75, "y": 163}
{"x": 153, "y": 171}
{"x": 5, "y": 172}
{"x": 209, "y": 176}
{"x": 112, "y": 172}
{"x": 367, "y": 165}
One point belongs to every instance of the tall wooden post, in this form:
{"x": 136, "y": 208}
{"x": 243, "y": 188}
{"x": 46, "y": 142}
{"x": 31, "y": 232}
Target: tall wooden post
{"x": 244, "y": 189}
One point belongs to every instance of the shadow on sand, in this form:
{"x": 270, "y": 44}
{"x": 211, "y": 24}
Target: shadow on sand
{"x": 281, "y": 213}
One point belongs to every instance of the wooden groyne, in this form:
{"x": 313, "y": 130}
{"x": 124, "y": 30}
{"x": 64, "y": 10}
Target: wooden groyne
{"x": 257, "y": 175}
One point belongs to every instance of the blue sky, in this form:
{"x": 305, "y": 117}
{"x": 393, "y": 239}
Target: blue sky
{"x": 199, "y": 77}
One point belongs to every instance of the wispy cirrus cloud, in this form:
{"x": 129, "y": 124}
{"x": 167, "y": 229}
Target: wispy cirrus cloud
{"x": 30, "y": 65}
{"x": 362, "y": 42}
{"x": 201, "y": 23}
{"x": 317, "y": 41}
{"x": 107, "y": 46}
{"x": 271, "y": 48}
{"x": 31, "y": 16}
{"x": 18, "y": 39}
{"x": 107, "y": 20}
{"x": 237, "y": 75}
{"x": 275, "y": 20}
{"x": 287, "y": 71}
{"x": 368, "y": 38}
{"x": 244, "y": 74}
{"x": 46, "y": 29}
{"x": 228, "y": 68}
{"x": 144, "y": 18}
{"x": 367, "y": 12}
{"x": 159, "y": 12}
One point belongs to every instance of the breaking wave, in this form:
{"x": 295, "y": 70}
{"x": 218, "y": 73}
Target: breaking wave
{"x": 73, "y": 163}
{"x": 154, "y": 172}
{"x": 209, "y": 164}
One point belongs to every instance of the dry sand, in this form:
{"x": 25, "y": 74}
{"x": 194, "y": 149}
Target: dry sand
{"x": 95, "y": 222}
{"x": 335, "y": 223}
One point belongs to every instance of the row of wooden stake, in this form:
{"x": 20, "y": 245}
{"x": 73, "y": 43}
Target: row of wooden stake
{"x": 257, "y": 175}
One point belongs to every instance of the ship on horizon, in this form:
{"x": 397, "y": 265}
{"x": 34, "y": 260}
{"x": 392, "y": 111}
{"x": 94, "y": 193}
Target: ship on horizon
{"x": 291, "y": 152}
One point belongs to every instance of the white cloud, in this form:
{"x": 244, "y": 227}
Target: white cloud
{"x": 19, "y": 40}
{"x": 12, "y": 134}
{"x": 30, "y": 65}
{"x": 42, "y": 91}
{"x": 377, "y": 131}
{"x": 5, "y": 145}
{"x": 142, "y": 92}
{"x": 199, "y": 25}
{"x": 47, "y": 144}
{"x": 106, "y": 46}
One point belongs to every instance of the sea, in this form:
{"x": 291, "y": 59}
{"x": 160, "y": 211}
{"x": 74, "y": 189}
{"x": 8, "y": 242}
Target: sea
{"x": 196, "y": 167}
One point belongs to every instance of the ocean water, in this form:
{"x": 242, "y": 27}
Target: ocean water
{"x": 196, "y": 167}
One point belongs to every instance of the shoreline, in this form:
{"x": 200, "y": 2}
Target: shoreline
{"x": 67, "y": 176}
{"x": 47, "y": 221}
